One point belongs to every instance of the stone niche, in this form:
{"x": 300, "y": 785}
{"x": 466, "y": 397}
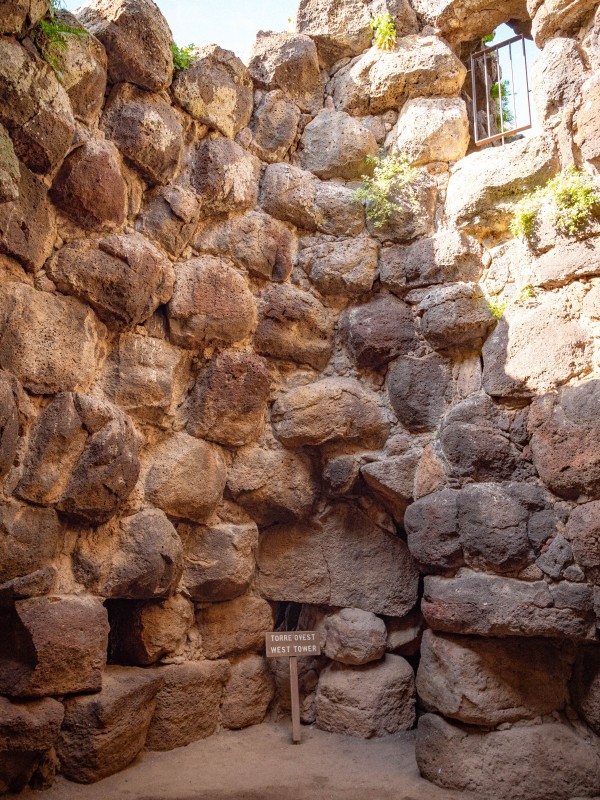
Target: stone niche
{"x": 229, "y": 398}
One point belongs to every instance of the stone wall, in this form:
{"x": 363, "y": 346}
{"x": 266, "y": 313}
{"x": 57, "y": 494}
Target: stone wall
{"x": 229, "y": 402}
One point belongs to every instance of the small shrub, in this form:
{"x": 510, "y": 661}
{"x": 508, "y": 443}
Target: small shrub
{"x": 525, "y": 214}
{"x": 52, "y": 37}
{"x": 489, "y": 37}
{"x": 497, "y": 306}
{"x": 384, "y": 31}
{"x": 505, "y": 115}
{"x": 183, "y": 57}
{"x": 526, "y": 293}
{"x": 391, "y": 173}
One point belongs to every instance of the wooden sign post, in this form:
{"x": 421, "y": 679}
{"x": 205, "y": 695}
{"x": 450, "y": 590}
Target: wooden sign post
{"x": 291, "y": 644}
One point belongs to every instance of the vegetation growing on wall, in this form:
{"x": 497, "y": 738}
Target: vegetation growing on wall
{"x": 379, "y": 192}
{"x": 384, "y": 31}
{"x": 51, "y": 36}
{"x": 183, "y": 57}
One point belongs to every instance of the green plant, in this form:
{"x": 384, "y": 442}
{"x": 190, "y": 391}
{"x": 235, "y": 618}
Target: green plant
{"x": 505, "y": 115}
{"x": 497, "y": 306}
{"x": 526, "y": 293}
{"x": 571, "y": 195}
{"x": 51, "y": 36}
{"x": 489, "y": 37}
{"x": 384, "y": 31}
{"x": 183, "y": 57}
{"x": 391, "y": 174}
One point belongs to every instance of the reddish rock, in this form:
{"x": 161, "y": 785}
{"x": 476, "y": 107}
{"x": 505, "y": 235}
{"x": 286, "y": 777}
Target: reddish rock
{"x": 216, "y": 89}
{"x": 169, "y": 217}
{"x": 123, "y": 277}
{"x": 21, "y": 15}
{"x": 455, "y": 316}
{"x": 89, "y": 187}
{"x": 103, "y": 733}
{"x": 583, "y": 532}
{"x": 379, "y": 331}
{"x": 417, "y": 390}
{"x": 234, "y": 626}
{"x": 586, "y": 685}
{"x": 10, "y": 174}
{"x": 146, "y": 130}
{"x": 29, "y": 539}
{"x": 274, "y": 127}
{"x": 9, "y": 421}
{"x": 137, "y": 39}
{"x": 294, "y": 326}
{"x": 335, "y": 145}
{"x": 353, "y": 636}
{"x": 392, "y": 481}
{"x": 187, "y": 705}
{"x": 53, "y": 645}
{"x": 82, "y": 458}
{"x": 225, "y": 176}
{"x": 339, "y": 266}
{"x": 229, "y": 400}
{"x": 211, "y": 304}
{"x": 248, "y": 693}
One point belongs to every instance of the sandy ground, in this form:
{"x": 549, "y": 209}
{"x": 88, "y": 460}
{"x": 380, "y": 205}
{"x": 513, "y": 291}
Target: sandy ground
{"x": 260, "y": 763}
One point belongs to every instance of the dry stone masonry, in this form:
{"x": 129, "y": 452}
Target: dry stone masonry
{"x": 231, "y": 403}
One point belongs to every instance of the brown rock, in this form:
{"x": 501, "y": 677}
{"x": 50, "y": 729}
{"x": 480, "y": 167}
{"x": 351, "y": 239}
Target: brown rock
{"x": 144, "y": 127}
{"x": 455, "y": 316}
{"x": 587, "y": 135}
{"x": 141, "y": 632}
{"x": 334, "y": 145}
{"x": 294, "y": 326}
{"x": 392, "y": 481}
{"x": 459, "y": 21}
{"x": 234, "y": 626}
{"x": 550, "y": 761}
{"x": 168, "y": 484}
{"x": 379, "y": 331}
{"x": 404, "y": 634}
{"x": 554, "y": 17}
{"x": 137, "y": 41}
{"x": 342, "y": 558}
{"x": 19, "y": 16}
{"x": 583, "y": 532}
{"x": 487, "y": 605}
{"x": 586, "y": 686}
{"x": 219, "y": 558}
{"x": 256, "y": 242}
{"x": 123, "y": 277}
{"x": 353, "y": 636}
{"x": 187, "y": 706}
{"x": 248, "y": 693}
{"x": 134, "y": 558}
{"x": 27, "y": 224}
{"x": 229, "y": 400}
{"x": 225, "y": 176}
{"x": 431, "y": 129}
{"x": 329, "y": 410}
{"x": 274, "y": 127}
{"x": 289, "y": 62}
{"x": 273, "y": 485}
{"x": 10, "y": 392}
{"x": 414, "y": 215}
{"x": 556, "y": 78}
{"x": 372, "y": 700}
{"x": 417, "y": 390}
{"x": 565, "y": 431}
{"x": 89, "y": 187}
{"x": 10, "y": 174}
{"x": 339, "y": 266}
{"x": 104, "y": 732}
{"x": 216, "y": 90}
{"x": 211, "y": 304}
{"x": 297, "y": 196}
{"x": 53, "y": 645}
{"x": 29, "y": 539}
{"x": 491, "y": 681}
{"x": 82, "y": 458}
{"x": 431, "y": 523}
{"x": 169, "y": 217}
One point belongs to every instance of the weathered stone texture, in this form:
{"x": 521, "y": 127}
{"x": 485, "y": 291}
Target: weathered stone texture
{"x": 234, "y": 626}
{"x": 334, "y": 145}
{"x": 274, "y": 127}
{"x": 379, "y": 331}
{"x": 225, "y": 176}
{"x": 431, "y": 129}
{"x": 339, "y": 266}
{"x": 27, "y": 220}
{"x": 353, "y": 636}
{"x": 248, "y": 693}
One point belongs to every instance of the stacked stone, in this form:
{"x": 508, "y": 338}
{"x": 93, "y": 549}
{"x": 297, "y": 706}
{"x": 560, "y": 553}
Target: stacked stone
{"x": 229, "y": 400}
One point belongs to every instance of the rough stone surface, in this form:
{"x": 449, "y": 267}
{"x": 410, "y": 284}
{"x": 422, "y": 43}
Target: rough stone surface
{"x": 431, "y": 129}
{"x": 27, "y": 223}
{"x": 379, "y": 331}
{"x": 288, "y": 62}
{"x": 417, "y": 389}
{"x": 29, "y": 539}
{"x": 234, "y": 626}
{"x": 462, "y": 21}
{"x": 225, "y": 176}
{"x": 555, "y": 17}
{"x": 354, "y": 636}
{"x": 274, "y": 127}
{"x": 455, "y": 316}
{"x": 540, "y": 762}
{"x": 583, "y": 533}
{"x": 10, "y": 397}
{"x": 187, "y": 704}
{"x": 392, "y": 481}
{"x": 556, "y": 78}
{"x": 53, "y": 645}
{"x": 9, "y": 168}
{"x": 137, "y": 39}
{"x": 587, "y": 136}
{"x": 169, "y": 217}
{"x": 414, "y": 212}
{"x": 586, "y": 686}
{"x": 339, "y": 266}
{"x": 123, "y": 277}
{"x": 371, "y": 700}
{"x": 103, "y": 733}
{"x": 248, "y": 693}
{"x": 336, "y": 560}
{"x": 21, "y": 15}
{"x": 334, "y": 145}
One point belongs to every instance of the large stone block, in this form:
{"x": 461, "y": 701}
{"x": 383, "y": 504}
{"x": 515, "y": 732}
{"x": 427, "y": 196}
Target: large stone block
{"x": 145, "y": 128}
{"x": 329, "y": 410}
{"x": 256, "y": 242}
{"x": 343, "y": 28}
{"x": 431, "y": 523}
{"x": 137, "y": 39}
{"x": 297, "y": 196}
{"x": 216, "y": 90}
{"x": 339, "y": 266}
{"x": 219, "y": 558}
{"x": 27, "y": 222}
{"x": 10, "y": 402}
{"x": 169, "y": 217}
{"x": 248, "y": 693}
{"x": 123, "y": 277}
{"x": 417, "y": 390}
{"x": 381, "y": 81}
{"x": 294, "y": 326}
{"x": 274, "y": 127}
{"x": 334, "y": 145}
{"x": 134, "y": 558}
{"x": 459, "y": 21}
{"x": 586, "y": 685}
{"x": 555, "y": 17}
{"x": 82, "y": 458}
{"x": 20, "y": 16}
{"x": 225, "y": 176}
{"x": 289, "y": 62}
{"x": 413, "y": 215}
{"x": 379, "y": 331}
{"x": 565, "y": 436}
{"x": 229, "y": 400}
{"x": 490, "y": 682}
{"x": 211, "y": 304}
{"x": 342, "y": 558}
{"x": 103, "y": 733}
{"x": 431, "y": 129}
{"x": 353, "y": 636}
{"x": 273, "y": 484}
{"x": 187, "y": 705}
{"x": 29, "y": 539}
{"x": 375, "y": 699}
{"x": 392, "y": 480}
{"x": 234, "y": 626}
{"x": 587, "y": 135}
{"x": 551, "y": 761}
{"x": 488, "y": 605}
{"x": 53, "y": 645}
{"x": 455, "y": 317}
{"x": 556, "y": 77}
{"x": 583, "y": 532}
{"x": 10, "y": 175}
{"x": 170, "y": 484}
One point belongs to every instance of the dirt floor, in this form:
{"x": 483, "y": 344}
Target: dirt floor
{"x": 260, "y": 763}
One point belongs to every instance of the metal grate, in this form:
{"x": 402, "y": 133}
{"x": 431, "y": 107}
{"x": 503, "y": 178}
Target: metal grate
{"x": 500, "y": 121}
